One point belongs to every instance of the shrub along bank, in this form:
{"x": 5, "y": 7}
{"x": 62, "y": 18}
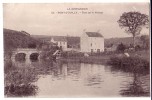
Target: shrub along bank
{"x": 130, "y": 64}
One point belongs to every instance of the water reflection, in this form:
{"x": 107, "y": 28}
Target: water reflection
{"x": 72, "y": 79}
{"x": 92, "y": 76}
{"x": 137, "y": 88}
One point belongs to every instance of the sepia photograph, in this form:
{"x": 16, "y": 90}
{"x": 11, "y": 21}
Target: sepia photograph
{"x": 69, "y": 50}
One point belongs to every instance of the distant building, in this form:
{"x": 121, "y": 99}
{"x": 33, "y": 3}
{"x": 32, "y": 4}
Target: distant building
{"x": 92, "y": 42}
{"x": 60, "y": 41}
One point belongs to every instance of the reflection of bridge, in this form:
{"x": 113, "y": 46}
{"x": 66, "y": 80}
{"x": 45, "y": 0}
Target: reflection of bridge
{"x": 29, "y": 51}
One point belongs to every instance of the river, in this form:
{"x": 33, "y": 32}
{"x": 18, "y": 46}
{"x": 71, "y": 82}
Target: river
{"x": 73, "y": 79}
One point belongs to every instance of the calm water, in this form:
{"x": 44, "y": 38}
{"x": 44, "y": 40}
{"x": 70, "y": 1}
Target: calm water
{"x": 73, "y": 79}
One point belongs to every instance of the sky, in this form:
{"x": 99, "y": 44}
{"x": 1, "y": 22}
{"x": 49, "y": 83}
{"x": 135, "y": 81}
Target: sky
{"x": 38, "y": 19}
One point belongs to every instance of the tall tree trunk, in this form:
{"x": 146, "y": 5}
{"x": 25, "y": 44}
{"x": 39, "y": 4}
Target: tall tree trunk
{"x": 134, "y": 41}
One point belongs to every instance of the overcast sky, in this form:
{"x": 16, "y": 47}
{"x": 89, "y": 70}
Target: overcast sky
{"x": 37, "y": 19}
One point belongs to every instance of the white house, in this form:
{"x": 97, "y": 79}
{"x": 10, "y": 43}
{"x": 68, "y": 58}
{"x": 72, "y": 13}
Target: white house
{"x": 92, "y": 42}
{"x": 61, "y": 42}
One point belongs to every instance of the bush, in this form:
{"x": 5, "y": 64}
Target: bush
{"x": 21, "y": 90}
{"x": 121, "y": 47}
{"x": 18, "y": 82}
{"x": 97, "y": 53}
{"x": 72, "y": 54}
{"x": 130, "y": 64}
{"x": 137, "y": 48}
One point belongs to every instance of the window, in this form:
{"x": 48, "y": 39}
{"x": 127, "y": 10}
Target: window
{"x": 91, "y": 44}
{"x": 91, "y": 50}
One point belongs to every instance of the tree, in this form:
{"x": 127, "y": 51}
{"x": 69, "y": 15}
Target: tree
{"x": 145, "y": 40}
{"x": 121, "y": 47}
{"x": 32, "y": 45}
{"x": 133, "y": 23}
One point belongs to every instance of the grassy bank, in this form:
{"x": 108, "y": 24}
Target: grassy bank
{"x": 91, "y": 59}
{"x": 98, "y": 58}
{"x": 137, "y": 62}
{"x": 102, "y": 57}
{"x": 130, "y": 64}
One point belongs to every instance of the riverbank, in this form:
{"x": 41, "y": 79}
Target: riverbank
{"x": 96, "y": 60}
{"x": 130, "y": 64}
{"x": 105, "y": 58}
{"x": 18, "y": 80}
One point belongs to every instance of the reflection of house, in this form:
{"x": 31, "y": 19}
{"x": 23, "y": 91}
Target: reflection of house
{"x": 60, "y": 41}
{"x": 92, "y": 42}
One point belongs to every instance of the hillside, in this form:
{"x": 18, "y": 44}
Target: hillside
{"x": 73, "y": 40}
{"x": 15, "y": 39}
{"x": 124, "y": 40}
{"x": 76, "y": 40}
{"x": 70, "y": 40}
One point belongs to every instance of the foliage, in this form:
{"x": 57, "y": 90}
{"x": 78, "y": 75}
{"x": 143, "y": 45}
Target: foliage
{"x": 130, "y": 64}
{"x": 137, "y": 48}
{"x": 133, "y": 22}
{"x": 73, "y": 42}
{"x": 121, "y": 47}
{"x": 18, "y": 82}
{"x": 72, "y": 54}
{"x": 20, "y": 76}
{"x": 145, "y": 40}
{"x": 15, "y": 39}
{"x": 21, "y": 90}
{"x": 48, "y": 50}
{"x": 32, "y": 45}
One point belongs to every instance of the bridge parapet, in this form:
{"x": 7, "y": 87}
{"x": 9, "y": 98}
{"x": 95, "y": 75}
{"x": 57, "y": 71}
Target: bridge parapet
{"x": 26, "y": 49}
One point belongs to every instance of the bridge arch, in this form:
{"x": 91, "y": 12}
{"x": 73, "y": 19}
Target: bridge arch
{"x": 29, "y": 54}
{"x": 20, "y": 56}
{"x": 34, "y": 56}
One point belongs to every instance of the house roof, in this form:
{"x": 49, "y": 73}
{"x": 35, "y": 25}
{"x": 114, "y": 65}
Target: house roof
{"x": 93, "y": 34}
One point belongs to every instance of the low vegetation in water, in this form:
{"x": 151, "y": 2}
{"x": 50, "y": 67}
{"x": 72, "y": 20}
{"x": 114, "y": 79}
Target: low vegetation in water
{"x": 18, "y": 82}
{"x": 20, "y": 90}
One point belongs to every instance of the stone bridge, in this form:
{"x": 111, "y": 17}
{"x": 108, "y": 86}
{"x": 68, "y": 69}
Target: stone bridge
{"x": 27, "y": 51}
